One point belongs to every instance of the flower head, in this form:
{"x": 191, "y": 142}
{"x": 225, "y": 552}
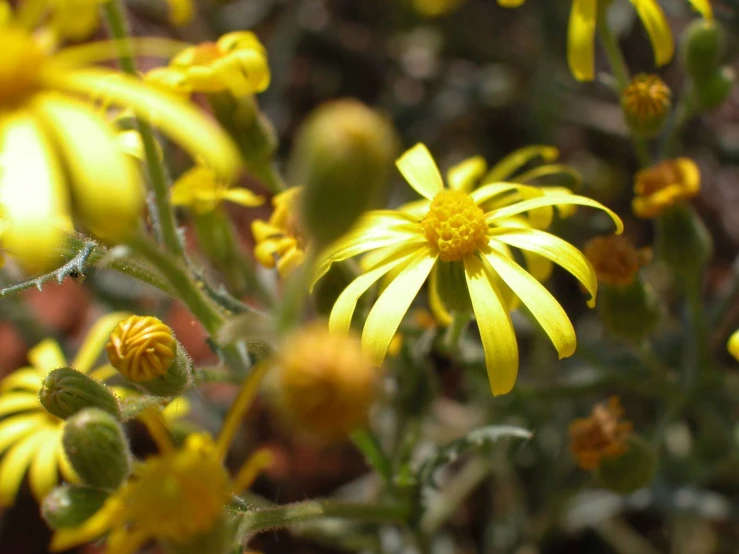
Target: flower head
{"x": 59, "y": 157}
{"x": 30, "y": 437}
{"x": 475, "y": 233}
{"x": 663, "y": 185}
{"x": 583, "y": 21}
{"x": 141, "y": 348}
{"x": 280, "y": 241}
{"x": 202, "y": 190}
{"x": 602, "y": 435}
{"x": 615, "y": 259}
{"x": 646, "y": 104}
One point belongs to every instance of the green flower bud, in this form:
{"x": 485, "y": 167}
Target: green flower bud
{"x": 146, "y": 352}
{"x": 714, "y": 91}
{"x": 70, "y": 506}
{"x": 702, "y": 48}
{"x": 451, "y": 285}
{"x": 97, "y": 448}
{"x": 631, "y": 311}
{"x": 683, "y": 241}
{"x": 631, "y": 470}
{"x": 66, "y": 391}
{"x": 343, "y": 155}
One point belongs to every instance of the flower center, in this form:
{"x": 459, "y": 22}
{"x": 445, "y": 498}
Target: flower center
{"x": 454, "y": 225}
{"x": 19, "y": 67}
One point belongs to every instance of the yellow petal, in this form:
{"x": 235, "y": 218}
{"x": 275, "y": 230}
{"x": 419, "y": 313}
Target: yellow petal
{"x": 13, "y": 428}
{"x": 12, "y": 402}
{"x": 180, "y": 11}
{"x": 704, "y": 7}
{"x": 100, "y": 522}
{"x": 34, "y": 196}
{"x": 105, "y": 184}
{"x": 96, "y": 339}
{"x": 581, "y": 39}
{"x": 492, "y": 199}
{"x": 657, "y": 28}
{"x": 25, "y": 379}
{"x": 555, "y": 249}
{"x": 549, "y": 170}
{"x": 176, "y": 409}
{"x": 385, "y": 316}
{"x": 496, "y": 330}
{"x": 104, "y": 372}
{"x": 46, "y": 356}
{"x": 733, "y": 345}
{"x": 552, "y": 200}
{"x": 65, "y": 466}
{"x": 251, "y": 469}
{"x": 420, "y": 170}
{"x": 441, "y": 314}
{"x": 126, "y": 541}
{"x": 514, "y": 161}
{"x": 243, "y": 197}
{"x": 343, "y": 309}
{"x": 466, "y": 174}
{"x": 544, "y": 307}
{"x": 489, "y": 191}
{"x": 44, "y": 475}
{"x": 14, "y": 465}
{"x": 177, "y": 118}
{"x": 510, "y": 3}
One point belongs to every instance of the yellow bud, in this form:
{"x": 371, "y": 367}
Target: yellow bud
{"x": 324, "y": 384}
{"x": 664, "y": 185}
{"x": 646, "y": 104}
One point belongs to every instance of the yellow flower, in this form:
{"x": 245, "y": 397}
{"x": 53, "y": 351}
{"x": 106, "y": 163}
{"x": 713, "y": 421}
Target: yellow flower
{"x": 452, "y": 228}
{"x": 602, "y": 435}
{"x": 201, "y": 189}
{"x": 663, "y": 185}
{"x": 646, "y": 104}
{"x": 433, "y": 8}
{"x": 615, "y": 259}
{"x": 280, "y": 241}
{"x": 177, "y": 495}
{"x": 30, "y": 437}
{"x": 733, "y": 344}
{"x": 237, "y": 62}
{"x": 59, "y": 157}
{"x": 583, "y": 20}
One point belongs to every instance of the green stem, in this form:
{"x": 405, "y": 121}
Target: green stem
{"x": 368, "y": 445}
{"x": 700, "y": 360}
{"x": 623, "y": 78}
{"x": 264, "y": 519}
{"x": 683, "y": 112}
{"x": 454, "y": 332}
{"x": 159, "y": 179}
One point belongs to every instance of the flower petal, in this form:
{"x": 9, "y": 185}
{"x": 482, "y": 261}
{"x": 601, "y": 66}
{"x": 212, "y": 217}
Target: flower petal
{"x": 420, "y": 170}
{"x": 95, "y": 340}
{"x": 43, "y": 475}
{"x": 13, "y": 428}
{"x": 466, "y": 174}
{"x": 13, "y": 402}
{"x": 538, "y": 300}
{"x": 101, "y": 521}
{"x": 25, "y": 379}
{"x": 243, "y": 197}
{"x": 514, "y": 161}
{"x": 385, "y": 316}
{"x": 46, "y": 356}
{"x": 555, "y": 249}
{"x": 14, "y": 465}
{"x": 704, "y": 7}
{"x": 341, "y": 314}
{"x": 496, "y": 329}
{"x": 442, "y": 315}
{"x": 581, "y": 39}
{"x": 657, "y": 28}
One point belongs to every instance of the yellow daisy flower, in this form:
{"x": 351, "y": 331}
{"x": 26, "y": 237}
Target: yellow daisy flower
{"x": 59, "y": 157}
{"x": 178, "y": 494}
{"x": 583, "y": 22}
{"x": 280, "y": 241}
{"x": 30, "y": 437}
{"x": 201, "y": 189}
{"x": 471, "y": 235}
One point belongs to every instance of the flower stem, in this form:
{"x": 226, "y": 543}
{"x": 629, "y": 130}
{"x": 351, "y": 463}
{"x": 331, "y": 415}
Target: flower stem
{"x": 454, "y": 332}
{"x": 159, "y": 179}
{"x": 368, "y": 445}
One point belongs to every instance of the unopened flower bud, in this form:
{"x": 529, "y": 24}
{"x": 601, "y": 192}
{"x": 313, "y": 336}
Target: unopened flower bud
{"x": 631, "y": 470}
{"x": 703, "y": 45}
{"x": 71, "y": 505}
{"x": 147, "y": 353}
{"x": 342, "y": 157}
{"x": 646, "y": 104}
{"x": 66, "y": 391}
{"x": 683, "y": 241}
{"x": 97, "y": 448}
{"x": 324, "y": 384}
{"x": 715, "y": 90}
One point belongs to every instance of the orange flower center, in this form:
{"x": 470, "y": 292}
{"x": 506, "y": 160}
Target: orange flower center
{"x": 454, "y": 225}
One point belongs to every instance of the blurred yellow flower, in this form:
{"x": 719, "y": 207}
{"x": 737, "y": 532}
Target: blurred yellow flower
{"x": 177, "y": 495}
{"x": 237, "y": 63}
{"x": 583, "y": 21}
{"x": 663, "y": 185}
{"x": 279, "y": 241}
{"x": 733, "y": 344}
{"x": 202, "y": 190}
{"x": 30, "y": 437}
{"x": 59, "y": 157}
{"x": 433, "y": 8}
{"x": 602, "y": 435}
{"x": 615, "y": 259}
{"x": 470, "y": 235}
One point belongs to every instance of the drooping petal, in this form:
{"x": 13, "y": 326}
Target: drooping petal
{"x": 466, "y": 174}
{"x": 177, "y": 118}
{"x": 14, "y": 464}
{"x": 658, "y": 29}
{"x": 704, "y": 7}
{"x": 514, "y": 161}
{"x": 552, "y": 200}
{"x": 489, "y": 191}
{"x": 43, "y": 475}
{"x": 545, "y": 308}
{"x": 14, "y": 428}
{"x": 496, "y": 329}
{"x": 581, "y": 39}
{"x": 555, "y": 249}
{"x": 343, "y": 309}
{"x": 243, "y": 197}
{"x": 438, "y": 308}
{"x": 497, "y": 195}
{"x": 550, "y": 170}
{"x": 46, "y": 356}
{"x": 25, "y": 379}
{"x": 385, "y": 316}
{"x": 13, "y": 402}
{"x": 95, "y": 340}
{"x": 101, "y": 521}
{"x": 420, "y": 170}
{"x": 65, "y": 466}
